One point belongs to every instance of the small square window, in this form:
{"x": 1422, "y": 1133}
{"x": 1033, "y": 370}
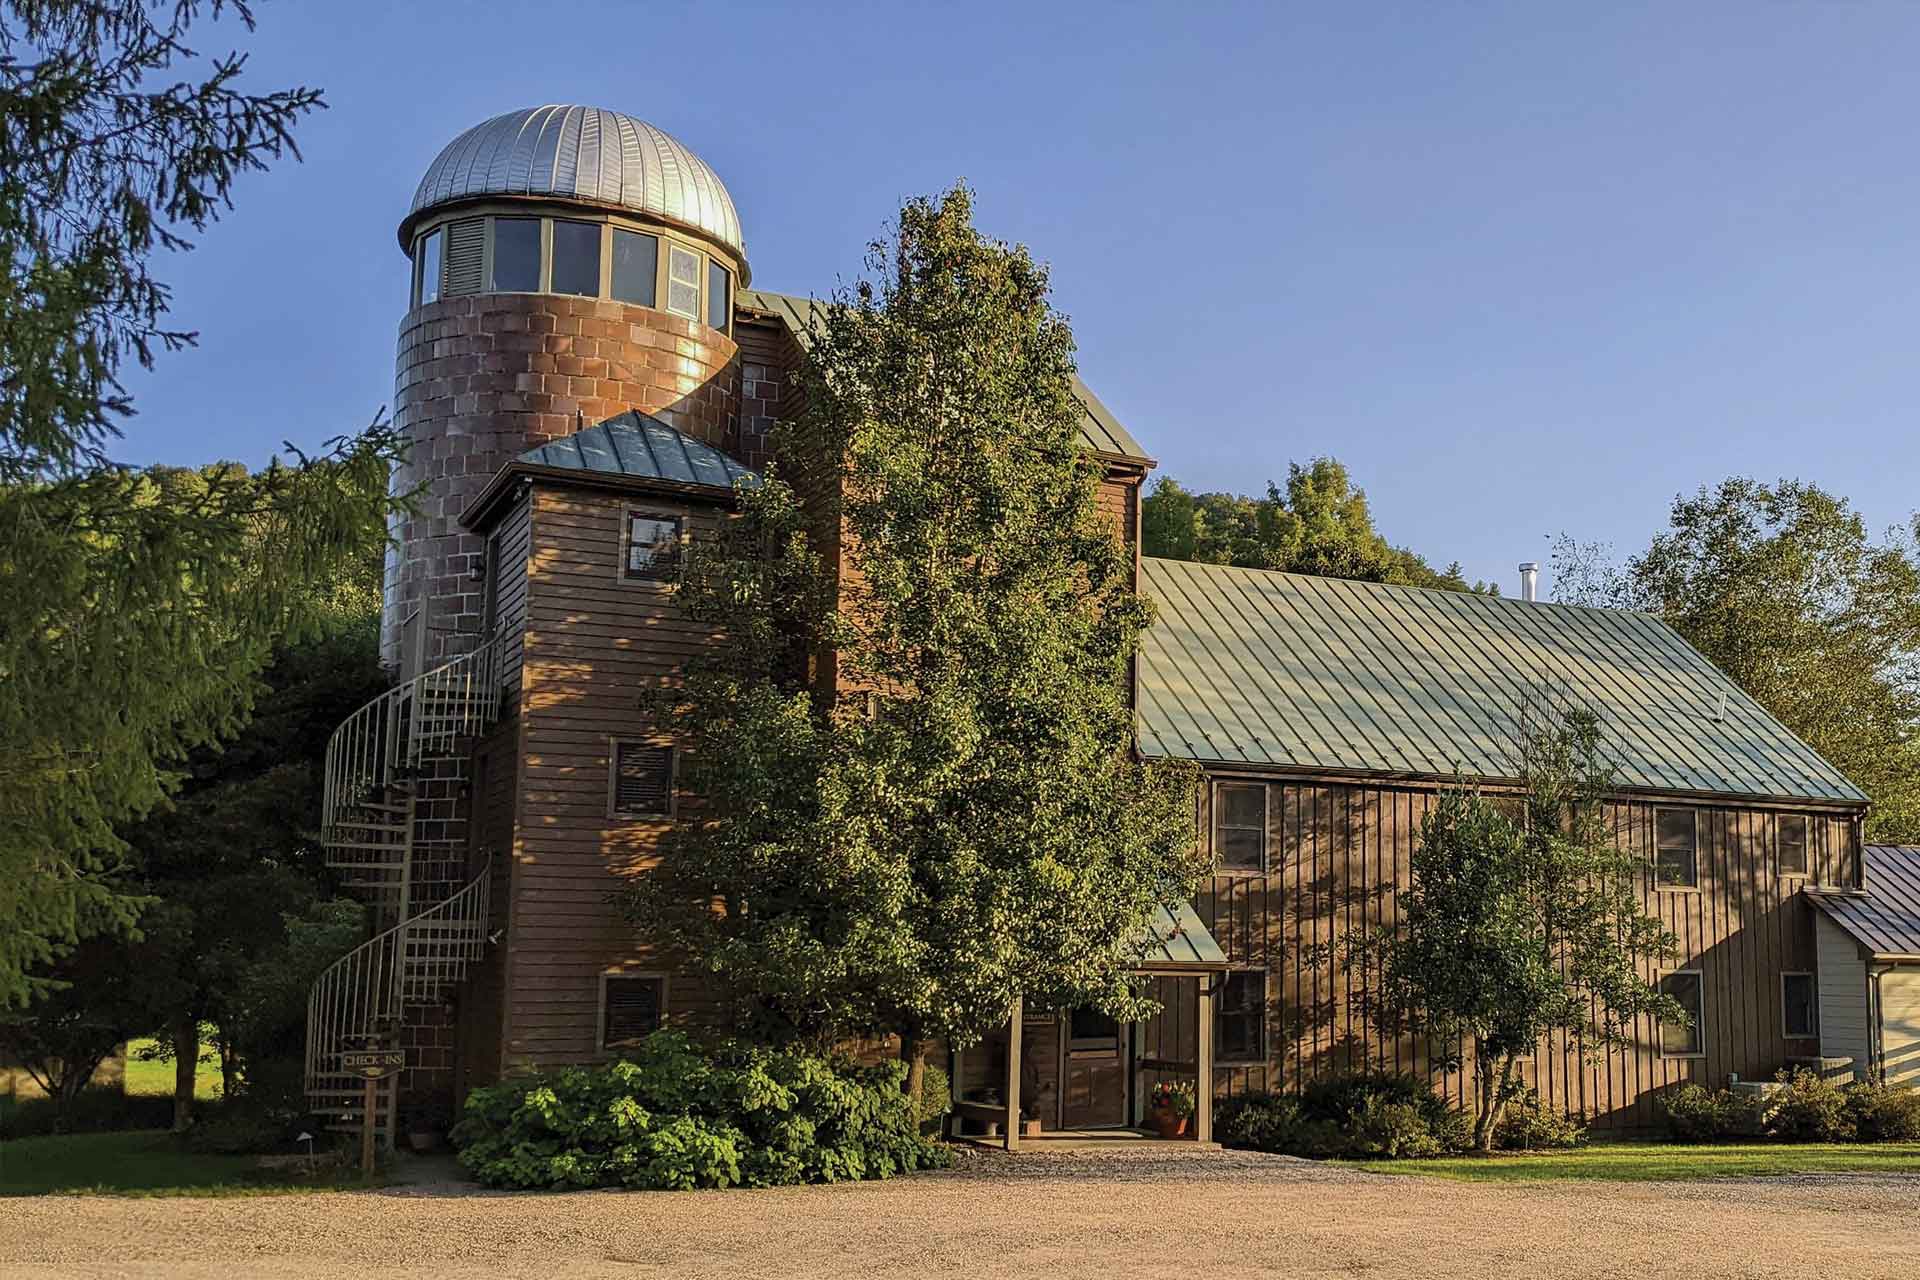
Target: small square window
{"x": 1793, "y": 844}
{"x": 516, "y": 256}
{"x": 636, "y": 258}
{"x": 631, "y": 1008}
{"x": 1240, "y": 1018}
{"x": 1799, "y": 1006}
{"x": 576, "y": 258}
{"x": 1679, "y": 1040}
{"x": 1240, "y": 826}
{"x": 642, "y": 782}
{"x": 1676, "y": 863}
{"x": 683, "y": 282}
{"x": 653, "y": 545}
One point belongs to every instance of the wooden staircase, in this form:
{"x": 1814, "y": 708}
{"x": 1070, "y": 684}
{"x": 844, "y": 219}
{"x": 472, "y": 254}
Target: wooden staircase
{"x": 380, "y": 761}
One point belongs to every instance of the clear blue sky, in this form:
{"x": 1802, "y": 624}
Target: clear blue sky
{"x": 1522, "y": 267}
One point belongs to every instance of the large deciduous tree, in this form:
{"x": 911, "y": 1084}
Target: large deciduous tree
{"x": 1522, "y": 921}
{"x": 969, "y": 823}
{"x": 1319, "y": 524}
{"x": 1784, "y": 589}
{"x": 136, "y": 607}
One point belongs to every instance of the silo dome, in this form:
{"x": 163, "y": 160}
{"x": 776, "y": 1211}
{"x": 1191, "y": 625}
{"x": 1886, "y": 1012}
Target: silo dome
{"x": 584, "y": 154}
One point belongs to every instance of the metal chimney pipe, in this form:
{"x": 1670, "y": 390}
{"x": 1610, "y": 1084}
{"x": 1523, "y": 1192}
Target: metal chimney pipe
{"x": 1530, "y": 581}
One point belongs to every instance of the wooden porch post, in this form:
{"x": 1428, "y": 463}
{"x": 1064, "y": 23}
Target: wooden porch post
{"x": 1013, "y": 1076}
{"x": 1203, "y": 1065}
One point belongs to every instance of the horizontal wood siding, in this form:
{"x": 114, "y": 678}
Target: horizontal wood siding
{"x": 1339, "y": 852}
{"x": 1900, "y": 1024}
{"x": 595, "y": 643}
{"x": 1845, "y": 1025}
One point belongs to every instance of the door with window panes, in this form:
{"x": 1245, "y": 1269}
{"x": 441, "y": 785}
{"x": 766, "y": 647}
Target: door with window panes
{"x": 1094, "y": 1088}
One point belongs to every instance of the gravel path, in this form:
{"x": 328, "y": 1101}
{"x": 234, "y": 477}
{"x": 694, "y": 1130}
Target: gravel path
{"x": 1065, "y": 1215}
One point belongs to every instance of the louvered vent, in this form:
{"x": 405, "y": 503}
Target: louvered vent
{"x": 632, "y": 1010}
{"x": 642, "y": 778}
{"x": 466, "y": 248}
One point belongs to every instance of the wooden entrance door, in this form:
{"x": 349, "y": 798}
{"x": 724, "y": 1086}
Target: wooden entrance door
{"x": 1093, "y": 1088}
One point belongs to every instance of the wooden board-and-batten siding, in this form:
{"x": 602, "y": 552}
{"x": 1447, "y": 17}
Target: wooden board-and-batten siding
{"x": 595, "y": 642}
{"x": 1336, "y": 853}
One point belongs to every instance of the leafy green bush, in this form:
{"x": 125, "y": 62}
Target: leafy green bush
{"x": 1371, "y": 1115}
{"x": 1694, "y": 1113}
{"x": 676, "y": 1117}
{"x": 1529, "y": 1125}
{"x": 97, "y": 1109}
{"x": 1884, "y": 1113}
{"x": 1810, "y": 1109}
{"x": 936, "y": 1097}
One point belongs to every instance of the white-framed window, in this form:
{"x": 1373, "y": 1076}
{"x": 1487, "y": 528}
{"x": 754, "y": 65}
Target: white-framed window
{"x": 1240, "y": 826}
{"x": 1676, "y": 848}
{"x": 1793, "y": 844}
{"x": 652, "y": 546}
{"x": 683, "y": 282}
{"x": 1240, "y": 1018}
{"x": 1689, "y": 990}
{"x": 1799, "y": 1006}
{"x": 639, "y": 779}
{"x": 632, "y": 1007}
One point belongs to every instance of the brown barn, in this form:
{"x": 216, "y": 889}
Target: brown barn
{"x": 585, "y": 376}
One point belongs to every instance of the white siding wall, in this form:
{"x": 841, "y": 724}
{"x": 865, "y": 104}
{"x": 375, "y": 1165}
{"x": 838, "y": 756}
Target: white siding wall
{"x": 1843, "y": 993}
{"x": 1900, "y": 1024}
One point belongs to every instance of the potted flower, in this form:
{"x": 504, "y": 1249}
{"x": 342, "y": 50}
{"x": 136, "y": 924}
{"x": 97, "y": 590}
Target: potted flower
{"x": 1171, "y": 1104}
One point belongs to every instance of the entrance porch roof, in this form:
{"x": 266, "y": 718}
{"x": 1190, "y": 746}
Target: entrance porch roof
{"x": 1178, "y": 942}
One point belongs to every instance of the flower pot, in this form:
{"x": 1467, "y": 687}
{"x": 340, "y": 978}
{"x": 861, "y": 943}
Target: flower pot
{"x": 1169, "y": 1125}
{"x": 423, "y": 1141}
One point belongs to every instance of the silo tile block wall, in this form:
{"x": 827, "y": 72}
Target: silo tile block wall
{"x": 480, "y": 379}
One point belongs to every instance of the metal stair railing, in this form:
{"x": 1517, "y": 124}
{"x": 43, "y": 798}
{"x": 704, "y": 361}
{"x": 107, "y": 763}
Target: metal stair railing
{"x": 366, "y": 992}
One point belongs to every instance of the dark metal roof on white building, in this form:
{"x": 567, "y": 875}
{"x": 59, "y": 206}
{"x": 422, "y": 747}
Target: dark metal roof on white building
{"x": 587, "y": 154}
{"x": 1885, "y": 918}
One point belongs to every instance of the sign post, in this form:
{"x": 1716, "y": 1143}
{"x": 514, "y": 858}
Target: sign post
{"x": 373, "y": 1066}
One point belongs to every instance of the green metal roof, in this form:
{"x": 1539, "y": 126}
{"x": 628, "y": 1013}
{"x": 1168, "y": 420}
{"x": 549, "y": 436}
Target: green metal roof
{"x": 1246, "y": 666}
{"x": 1177, "y": 939}
{"x": 1099, "y": 429}
{"x": 634, "y": 444}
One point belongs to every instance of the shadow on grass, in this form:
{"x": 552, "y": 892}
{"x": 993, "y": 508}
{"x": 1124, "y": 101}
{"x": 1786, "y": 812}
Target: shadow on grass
{"x": 142, "y": 1163}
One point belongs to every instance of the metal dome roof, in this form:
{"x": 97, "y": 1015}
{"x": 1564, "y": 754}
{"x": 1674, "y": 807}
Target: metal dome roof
{"x": 582, "y": 153}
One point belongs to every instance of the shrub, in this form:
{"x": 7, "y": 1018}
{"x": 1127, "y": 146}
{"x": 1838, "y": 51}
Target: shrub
{"x": 1884, "y": 1113}
{"x": 1810, "y": 1109}
{"x": 936, "y": 1097}
{"x": 1371, "y": 1115}
{"x": 676, "y": 1117}
{"x": 1694, "y": 1113}
{"x": 1175, "y": 1096}
{"x": 1528, "y": 1125}
{"x": 96, "y": 1109}
{"x": 265, "y": 1112}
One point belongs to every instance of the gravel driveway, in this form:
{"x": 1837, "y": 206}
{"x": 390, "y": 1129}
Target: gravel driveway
{"x": 1056, "y": 1215}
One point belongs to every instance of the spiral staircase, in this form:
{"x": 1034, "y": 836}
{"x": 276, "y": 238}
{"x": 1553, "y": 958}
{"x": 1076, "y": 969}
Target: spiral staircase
{"x": 392, "y": 769}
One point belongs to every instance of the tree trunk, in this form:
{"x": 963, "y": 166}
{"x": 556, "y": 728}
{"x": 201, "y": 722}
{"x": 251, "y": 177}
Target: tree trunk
{"x": 229, "y": 1065}
{"x": 1492, "y": 1098}
{"x": 913, "y": 1051}
{"x": 186, "y": 1064}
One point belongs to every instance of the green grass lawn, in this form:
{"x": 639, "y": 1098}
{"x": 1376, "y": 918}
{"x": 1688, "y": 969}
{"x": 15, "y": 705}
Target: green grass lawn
{"x": 139, "y": 1163}
{"x": 155, "y": 1079}
{"x": 1663, "y": 1162}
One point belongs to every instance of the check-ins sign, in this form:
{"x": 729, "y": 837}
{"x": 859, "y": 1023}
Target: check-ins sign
{"x": 372, "y": 1064}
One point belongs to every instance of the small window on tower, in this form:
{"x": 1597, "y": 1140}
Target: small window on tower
{"x": 683, "y": 282}
{"x": 516, "y": 256}
{"x": 427, "y": 256}
{"x": 653, "y": 545}
{"x": 631, "y": 1008}
{"x": 576, "y": 258}
{"x": 635, "y": 259}
{"x": 719, "y": 297}
{"x": 642, "y": 780}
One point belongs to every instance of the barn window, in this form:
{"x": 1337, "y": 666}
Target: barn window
{"x": 642, "y": 781}
{"x": 1240, "y": 1018}
{"x": 516, "y": 256}
{"x": 631, "y": 1008}
{"x": 1676, "y": 862}
{"x": 1686, "y": 1040}
{"x": 427, "y": 259}
{"x": 1240, "y": 826}
{"x": 1800, "y": 1009}
{"x": 576, "y": 258}
{"x": 683, "y": 282}
{"x": 719, "y": 296}
{"x": 653, "y": 545}
{"x": 1793, "y": 844}
{"x": 636, "y": 260}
